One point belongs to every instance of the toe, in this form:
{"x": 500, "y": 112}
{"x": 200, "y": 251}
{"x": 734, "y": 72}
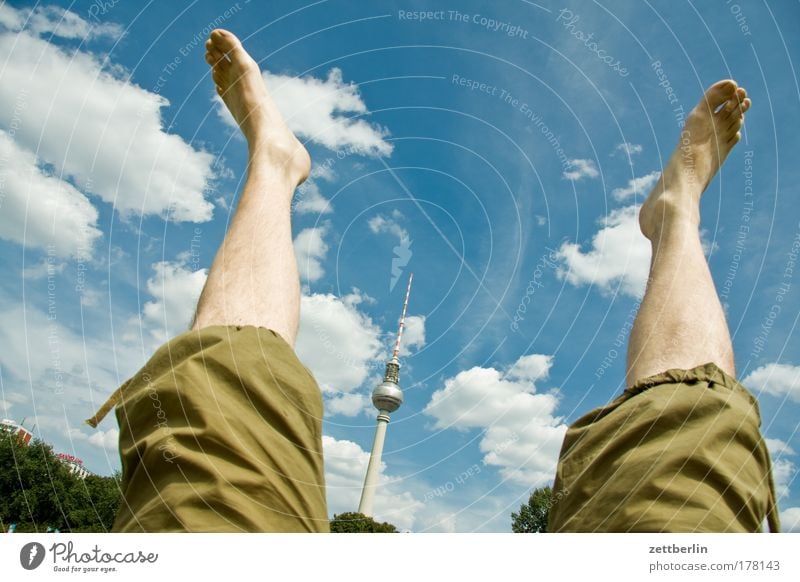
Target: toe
{"x": 746, "y": 104}
{"x": 723, "y": 112}
{"x": 217, "y": 75}
{"x": 735, "y": 138}
{"x": 736, "y": 125}
{"x": 224, "y": 40}
{"x": 719, "y": 93}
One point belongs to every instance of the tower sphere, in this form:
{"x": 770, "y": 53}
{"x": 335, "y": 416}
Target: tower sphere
{"x": 387, "y": 396}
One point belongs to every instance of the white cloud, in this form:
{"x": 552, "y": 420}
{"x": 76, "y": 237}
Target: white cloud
{"x": 784, "y": 471}
{"x": 581, "y": 169}
{"x": 108, "y": 439}
{"x": 5, "y": 408}
{"x": 43, "y": 20}
{"x": 309, "y": 199}
{"x": 778, "y": 447}
{"x": 775, "y": 379}
{"x": 314, "y": 110}
{"x": 532, "y": 367}
{"x": 323, "y": 171}
{"x": 381, "y": 224}
{"x": 56, "y": 377}
{"x": 47, "y": 365}
{"x": 310, "y": 250}
{"x": 337, "y": 342}
{"x": 100, "y": 131}
{"x": 39, "y": 210}
{"x": 402, "y": 251}
{"x": 345, "y": 468}
{"x": 349, "y": 404}
{"x": 522, "y": 434}
{"x": 629, "y": 149}
{"x": 790, "y": 520}
{"x": 637, "y": 186}
{"x": 42, "y": 269}
{"x": 413, "y": 334}
{"x": 176, "y": 290}
{"x": 619, "y": 254}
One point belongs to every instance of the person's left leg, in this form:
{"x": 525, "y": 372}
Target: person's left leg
{"x": 254, "y": 280}
{"x": 681, "y": 323}
{"x": 222, "y": 429}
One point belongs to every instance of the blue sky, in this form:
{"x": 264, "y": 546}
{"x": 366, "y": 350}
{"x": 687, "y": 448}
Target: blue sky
{"x": 499, "y": 152}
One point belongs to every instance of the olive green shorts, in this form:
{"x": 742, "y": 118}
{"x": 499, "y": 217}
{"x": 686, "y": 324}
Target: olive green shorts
{"x": 677, "y": 452}
{"x": 221, "y": 431}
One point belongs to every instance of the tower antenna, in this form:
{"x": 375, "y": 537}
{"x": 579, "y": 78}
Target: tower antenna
{"x": 396, "y": 351}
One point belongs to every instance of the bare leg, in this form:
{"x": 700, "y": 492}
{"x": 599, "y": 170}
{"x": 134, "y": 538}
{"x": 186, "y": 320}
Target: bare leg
{"x": 681, "y": 323}
{"x": 254, "y": 279}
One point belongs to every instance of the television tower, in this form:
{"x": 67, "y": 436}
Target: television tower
{"x": 387, "y": 397}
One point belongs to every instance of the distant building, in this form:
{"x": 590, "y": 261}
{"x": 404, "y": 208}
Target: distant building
{"x": 10, "y": 427}
{"x": 74, "y": 464}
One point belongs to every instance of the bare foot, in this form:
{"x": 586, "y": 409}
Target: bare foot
{"x": 241, "y": 86}
{"x": 711, "y": 131}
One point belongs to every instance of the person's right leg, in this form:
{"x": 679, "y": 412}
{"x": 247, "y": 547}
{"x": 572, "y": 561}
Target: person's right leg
{"x": 681, "y": 449}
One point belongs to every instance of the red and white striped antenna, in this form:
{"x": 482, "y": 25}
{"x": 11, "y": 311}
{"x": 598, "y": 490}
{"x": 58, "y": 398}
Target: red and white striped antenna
{"x": 402, "y": 319}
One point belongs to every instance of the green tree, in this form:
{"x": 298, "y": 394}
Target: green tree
{"x": 94, "y": 503}
{"x": 352, "y": 522}
{"x": 38, "y": 491}
{"x": 532, "y": 516}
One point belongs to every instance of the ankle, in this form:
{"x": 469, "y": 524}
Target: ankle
{"x": 290, "y": 160}
{"x": 669, "y": 214}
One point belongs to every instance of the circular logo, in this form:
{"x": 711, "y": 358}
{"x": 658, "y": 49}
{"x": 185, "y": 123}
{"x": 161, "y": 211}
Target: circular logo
{"x": 31, "y": 555}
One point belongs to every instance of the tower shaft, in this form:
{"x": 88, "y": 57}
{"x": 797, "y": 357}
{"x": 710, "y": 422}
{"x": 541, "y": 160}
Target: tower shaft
{"x": 374, "y": 467}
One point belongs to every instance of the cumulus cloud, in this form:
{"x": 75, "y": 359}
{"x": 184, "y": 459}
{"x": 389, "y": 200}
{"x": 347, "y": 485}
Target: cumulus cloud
{"x": 99, "y": 131}
{"x": 637, "y": 186}
{"x": 349, "y": 404}
{"x": 309, "y": 199}
{"x": 580, "y": 169}
{"x": 790, "y": 520}
{"x": 42, "y": 269}
{"x": 402, "y": 251}
{"x": 176, "y": 289}
{"x": 629, "y": 149}
{"x": 522, "y": 434}
{"x": 383, "y": 224}
{"x": 310, "y": 250}
{"x": 47, "y": 20}
{"x": 780, "y": 380}
{"x": 413, "y": 334}
{"x": 339, "y": 343}
{"x": 107, "y": 440}
{"x": 778, "y": 447}
{"x": 619, "y": 254}
{"x": 784, "y": 471}
{"x": 316, "y": 110}
{"x": 62, "y": 373}
{"x": 5, "y": 407}
{"x": 345, "y": 468}
{"x": 39, "y": 210}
